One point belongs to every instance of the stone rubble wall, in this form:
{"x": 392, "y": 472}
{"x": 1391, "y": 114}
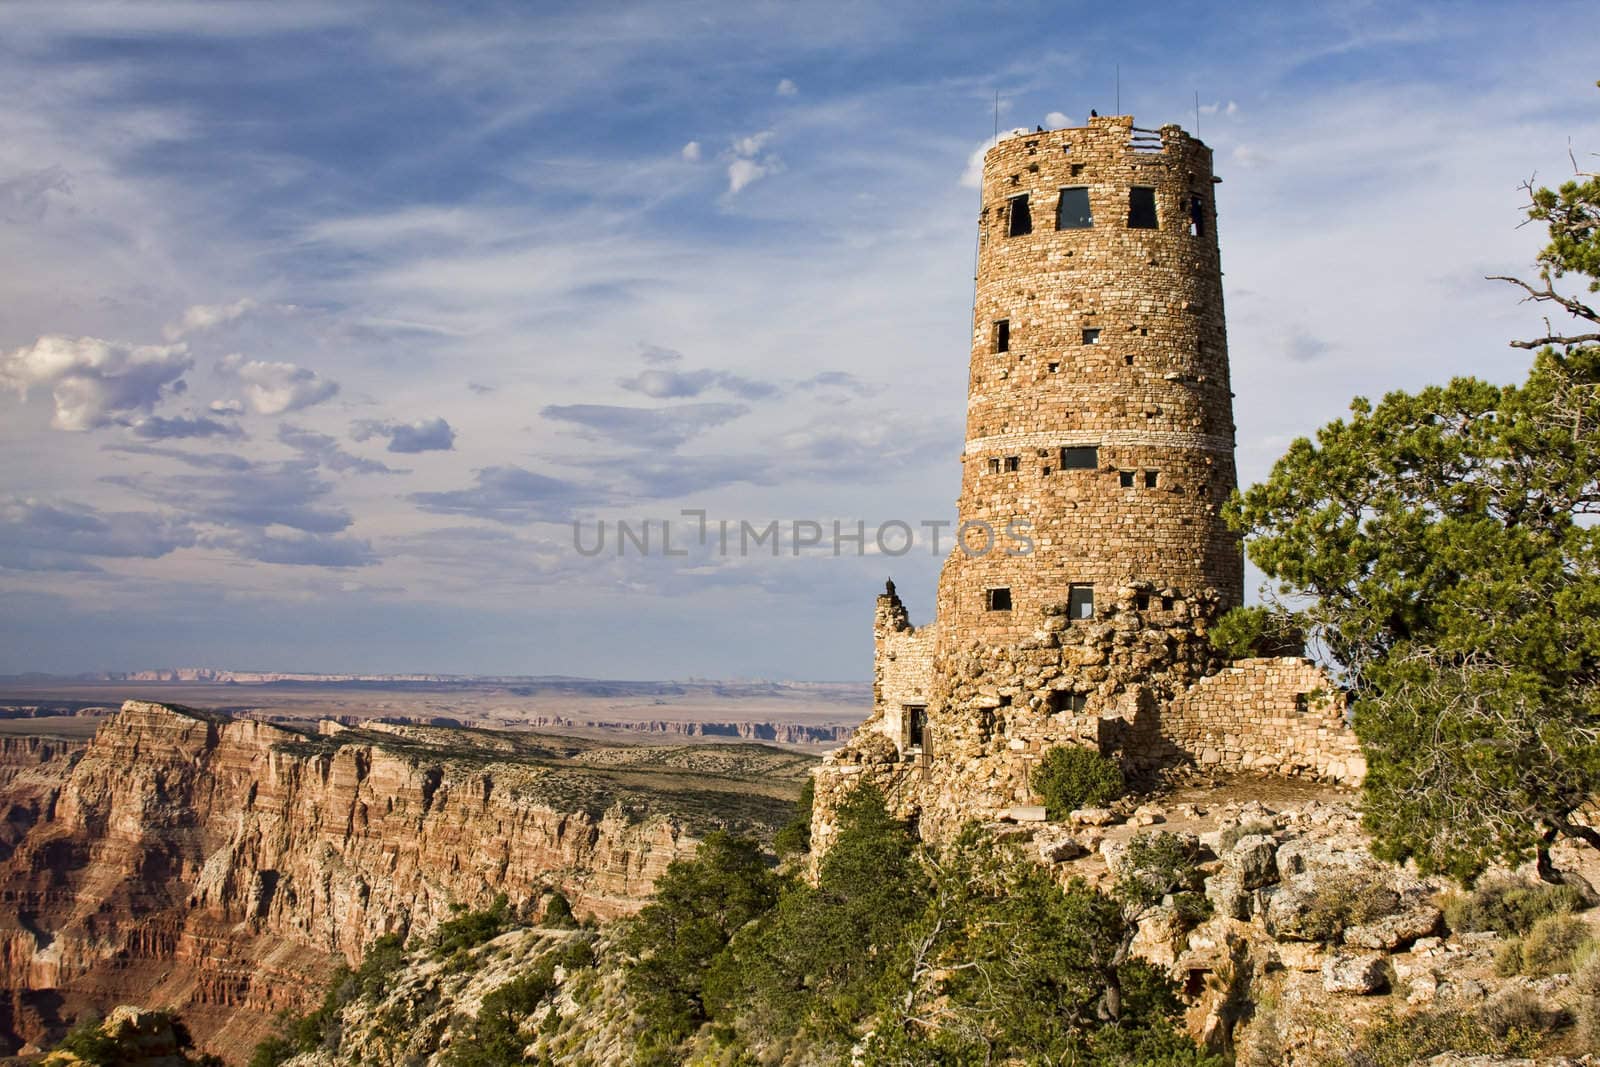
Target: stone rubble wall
{"x": 1282, "y": 715}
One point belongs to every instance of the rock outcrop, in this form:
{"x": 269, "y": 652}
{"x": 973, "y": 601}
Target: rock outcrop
{"x": 220, "y": 867}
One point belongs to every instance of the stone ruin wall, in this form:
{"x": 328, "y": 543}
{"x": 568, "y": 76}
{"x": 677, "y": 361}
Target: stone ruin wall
{"x": 1154, "y": 696}
{"x": 1282, "y": 715}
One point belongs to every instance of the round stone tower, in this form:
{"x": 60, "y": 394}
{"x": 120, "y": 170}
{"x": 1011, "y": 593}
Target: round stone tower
{"x": 1099, "y": 416}
{"x": 1099, "y": 452}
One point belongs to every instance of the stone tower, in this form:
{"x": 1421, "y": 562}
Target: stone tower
{"x": 1093, "y": 555}
{"x": 1098, "y": 411}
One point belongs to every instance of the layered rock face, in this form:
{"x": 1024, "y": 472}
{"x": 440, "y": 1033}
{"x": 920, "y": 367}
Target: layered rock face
{"x": 221, "y": 867}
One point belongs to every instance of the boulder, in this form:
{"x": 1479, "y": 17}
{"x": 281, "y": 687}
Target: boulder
{"x": 1255, "y": 859}
{"x": 1228, "y": 896}
{"x": 1059, "y": 848}
{"x": 1357, "y": 974}
{"x": 1092, "y": 817}
{"x": 1392, "y": 931}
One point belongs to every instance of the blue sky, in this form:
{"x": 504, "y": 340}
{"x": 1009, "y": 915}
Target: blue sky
{"x": 322, "y": 323}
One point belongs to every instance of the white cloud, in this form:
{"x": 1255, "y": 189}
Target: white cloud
{"x": 1219, "y": 108}
{"x": 972, "y": 176}
{"x": 1056, "y": 119}
{"x": 752, "y": 146}
{"x": 274, "y": 388}
{"x": 751, "y": 161}
{"x": 205, "y": 316}
{"x": 788, "y": 88}
{"x": 691, "y": 152}
{"x": 94, "y": 382}
{"x": 741, "y": 172}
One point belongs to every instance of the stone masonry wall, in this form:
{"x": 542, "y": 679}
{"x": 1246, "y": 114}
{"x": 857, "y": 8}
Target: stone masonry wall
{"x": 1281, "y": 715}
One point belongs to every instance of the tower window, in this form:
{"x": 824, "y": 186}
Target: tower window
{"x": 1002, "y": 335}
{"x": 1124, "y": 479}
{"x": 1072, "y": 210}
{"x": 916, "y": 717}
{"x": 1168, "y": 603}
{"x": 1080, "y": 458}
{"x": 1055, "y": 368}
{"x": 1141, "y": 601}
{"x": 1142, "y": 208}
{"x": 1128, "y": 359}
{"x": 1077, "y": 170}
{"x": 994, "y": 464}
{"x": 1021, "y": 221}
{"x": 1013, "y": 463}
{"x": 1150, "y": 479}
{"x": 997, "y": 599}
{"x": 1060, "y": 700}
{"x": 1080, "y": 601}
{"x": 1091, "y": 337}
{"x": 1197, "y": 215}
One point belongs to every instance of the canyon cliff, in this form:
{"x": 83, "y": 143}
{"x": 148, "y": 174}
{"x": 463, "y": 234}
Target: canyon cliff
{"x": 222, "y": 867}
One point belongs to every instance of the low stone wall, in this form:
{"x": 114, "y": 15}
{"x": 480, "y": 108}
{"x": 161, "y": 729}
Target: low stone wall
{"x": 1280, "y": 716}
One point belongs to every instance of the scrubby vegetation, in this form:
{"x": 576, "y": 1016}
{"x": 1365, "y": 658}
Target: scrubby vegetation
{"x": 96, "y": 1043}
{"x": 1073, "y": 776}
{"x": 1550, "y": 947}
{"x": 1345, "y": 900}
{"x": 969, "y": 955}
{"x": 1509, "y": 905}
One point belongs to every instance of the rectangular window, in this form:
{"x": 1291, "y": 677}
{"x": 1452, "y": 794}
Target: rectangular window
{"x": 1167, "y": 603}
{"x": 997, "y": 599}
{"x": 1072, "y": 210}
{"x": 1141, "y": 208}
{"x": 1128, "y": 360}
{"x": 1013, "y": 463}
{"x": 1077, "y": 170}
{"x": 1197, "y": 215}
{"x": 1150, "y": 479}
{"x": 1002, "y": 335}
{"x": 1021, "y": 221}
{"x": 1080, "y": 601}
{"x": 916, "y": 718}
{"x": 1125, "y": 479}
{"x": 1076, "y": 703}
{"x": 1091, "y": 337}
{"x": 994, "y": 464}
{"x": 1055, "y": 368}
{"x": 1141, "y": 601}
{"x": 1080, "y": 458}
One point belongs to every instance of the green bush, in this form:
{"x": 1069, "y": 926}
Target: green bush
{"x": 1509, "y": 906}
{"x": 469, "y": 929}
{"x": 1552, "y": 944}
{"x": 93, "y": 1044}
{"x": 1074, "y": 777}
{"x": 558, "y": 911}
